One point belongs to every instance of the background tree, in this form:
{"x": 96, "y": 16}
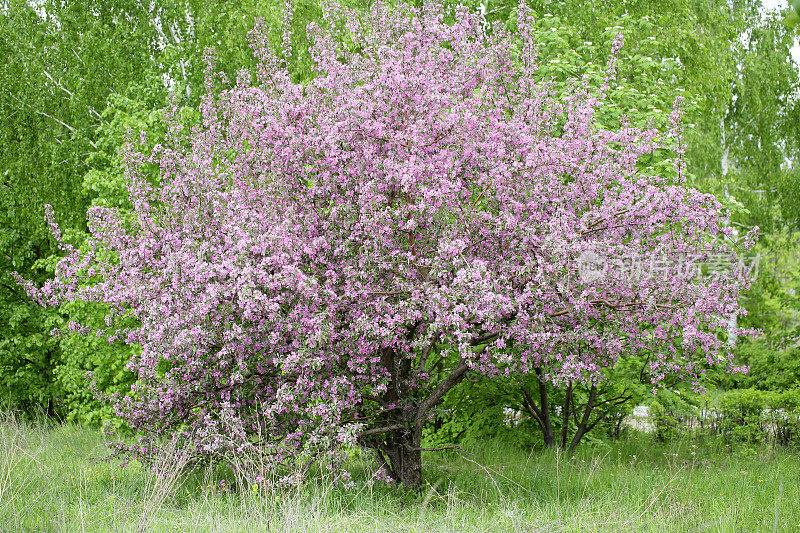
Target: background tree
{"x": 77, "y": 76}
{"x": 53, "y": 88}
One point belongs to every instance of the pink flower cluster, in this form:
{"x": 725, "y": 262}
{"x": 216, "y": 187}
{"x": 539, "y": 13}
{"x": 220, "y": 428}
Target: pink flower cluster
{"x": 321, "y": 263}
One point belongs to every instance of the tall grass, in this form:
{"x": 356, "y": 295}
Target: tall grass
{"x": 54, "y": 479}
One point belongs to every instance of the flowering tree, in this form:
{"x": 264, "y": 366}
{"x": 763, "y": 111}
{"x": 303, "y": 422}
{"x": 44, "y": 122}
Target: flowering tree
{"x": 320, "y": 264}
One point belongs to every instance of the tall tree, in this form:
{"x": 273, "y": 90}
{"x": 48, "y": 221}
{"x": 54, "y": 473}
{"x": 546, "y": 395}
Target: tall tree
{"x": 61, "y": 61}
{"x": 68, "y": 68}
{"x": 314, "y": 251}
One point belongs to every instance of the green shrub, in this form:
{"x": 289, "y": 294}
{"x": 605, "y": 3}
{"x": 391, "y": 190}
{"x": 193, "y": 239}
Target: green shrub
{"x": 672, "y": 416}
{"x": 741, "y": 416}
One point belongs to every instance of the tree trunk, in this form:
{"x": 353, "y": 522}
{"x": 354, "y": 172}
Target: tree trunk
{"x": 569, "y": 409}
{"x": 404, "y": 458}
{"x": 400, "y": 450}
{"x": 401, "y": 455}
{"x": 547, "y": 426}
{"x": 540, "y": 413}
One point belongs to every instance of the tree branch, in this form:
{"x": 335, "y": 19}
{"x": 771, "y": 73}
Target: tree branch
{"x": 438, "y": 393}
{"x": 600, "y": 221}
{"x": 423, "y": 360}
{"x": 530, "y": 406}
{"x": 377, "y": 431}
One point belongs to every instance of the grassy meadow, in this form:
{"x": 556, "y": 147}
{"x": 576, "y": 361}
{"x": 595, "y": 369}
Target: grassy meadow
{"x": 56, "y": 479}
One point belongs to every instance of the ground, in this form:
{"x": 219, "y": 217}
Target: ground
{"x": 54, "y": 479}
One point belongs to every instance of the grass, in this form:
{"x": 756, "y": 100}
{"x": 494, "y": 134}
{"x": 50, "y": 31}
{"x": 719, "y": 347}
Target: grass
{"x": 53, "y": 479}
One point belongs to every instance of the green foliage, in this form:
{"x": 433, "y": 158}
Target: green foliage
{"x": 125, "y": 116}
{"x": 90, "y": 364}
{"x": 671, "y": 415}
{"x": 741, "y": 416}
{"x": 647, "y": 91}
{"x": 773, "y": 306}
{"x": 774, "y": 299}
{"x": 752, "y": 416}
{"x": 76, "y": 77}
{"x": 770, "y": 368}
{"x": 762, "y": 126}
{"x": 738, "y": 417}
{"x": 792, "y": 17}
{"x": 493, "y": 410}
{"x": 28, "y": 356}
{"x": 686, "y": 45}
{"x": 488, "y": 410}
{"x": 61, "y": 61}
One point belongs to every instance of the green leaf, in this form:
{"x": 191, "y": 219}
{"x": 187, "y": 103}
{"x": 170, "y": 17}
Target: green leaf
{"x": 792, "y": 18}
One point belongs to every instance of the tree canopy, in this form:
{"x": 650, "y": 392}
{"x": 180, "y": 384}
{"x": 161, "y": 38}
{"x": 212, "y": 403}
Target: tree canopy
{"x": 311, "y": 251}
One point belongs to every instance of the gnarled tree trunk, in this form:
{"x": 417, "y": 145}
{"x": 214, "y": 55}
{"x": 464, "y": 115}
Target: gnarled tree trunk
{"x": 401, "y": 456}
{"x": 397, "y": 438}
